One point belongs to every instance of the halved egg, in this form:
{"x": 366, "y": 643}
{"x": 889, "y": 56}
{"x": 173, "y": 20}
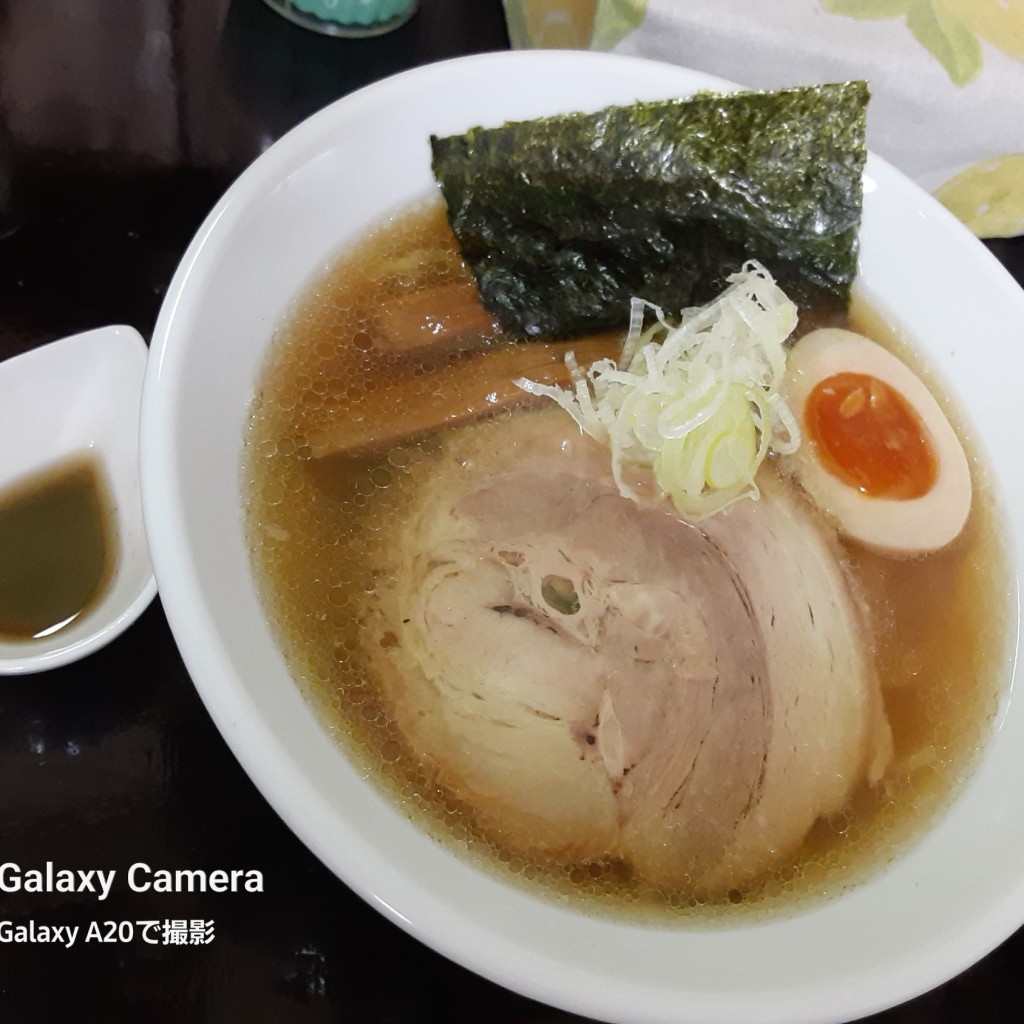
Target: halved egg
{"x": 878, "y": 455}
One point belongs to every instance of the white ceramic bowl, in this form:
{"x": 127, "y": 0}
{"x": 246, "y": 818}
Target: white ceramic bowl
{"x": 81, "y": 395}
{"x": 944, "y": 904}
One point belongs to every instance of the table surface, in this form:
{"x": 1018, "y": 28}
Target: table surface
{"x": 121, "y": 123}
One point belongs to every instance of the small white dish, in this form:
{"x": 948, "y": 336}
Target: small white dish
{"x": 81, "y": 396}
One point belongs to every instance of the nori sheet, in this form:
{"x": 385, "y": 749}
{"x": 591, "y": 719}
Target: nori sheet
{"x": 563, "y": 219}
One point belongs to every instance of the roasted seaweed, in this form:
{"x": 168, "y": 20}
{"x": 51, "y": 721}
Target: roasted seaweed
{"x": 563, "y": 219}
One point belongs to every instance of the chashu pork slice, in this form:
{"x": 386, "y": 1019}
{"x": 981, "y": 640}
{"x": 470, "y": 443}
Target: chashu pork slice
{"x": 599, "y": 679}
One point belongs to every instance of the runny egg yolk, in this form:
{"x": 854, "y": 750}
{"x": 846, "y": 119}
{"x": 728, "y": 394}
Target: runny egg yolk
{"x": 870, "y": 437}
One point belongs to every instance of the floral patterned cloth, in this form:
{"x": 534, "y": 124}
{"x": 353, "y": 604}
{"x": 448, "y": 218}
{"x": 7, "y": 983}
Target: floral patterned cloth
{"x": 947, "y": 76}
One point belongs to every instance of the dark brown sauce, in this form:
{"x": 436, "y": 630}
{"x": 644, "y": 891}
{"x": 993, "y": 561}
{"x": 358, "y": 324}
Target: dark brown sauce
{"x": 315, "y": 529}
{"x": 57, "y": 548}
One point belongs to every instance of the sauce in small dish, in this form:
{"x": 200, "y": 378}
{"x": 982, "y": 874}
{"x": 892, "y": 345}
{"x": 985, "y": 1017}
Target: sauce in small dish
{"x": 74, "y": 564}
{"x": 58, "y": 540}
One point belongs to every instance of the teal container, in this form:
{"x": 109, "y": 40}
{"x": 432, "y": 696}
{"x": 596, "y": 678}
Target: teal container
{"x": 351, "y": 18}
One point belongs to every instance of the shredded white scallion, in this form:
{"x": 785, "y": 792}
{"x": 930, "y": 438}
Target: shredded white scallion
{"x": 696, "y": 401}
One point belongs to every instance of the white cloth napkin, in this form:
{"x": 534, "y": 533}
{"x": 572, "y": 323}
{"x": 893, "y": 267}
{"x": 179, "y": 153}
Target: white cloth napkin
{"x": 947, "y": 76}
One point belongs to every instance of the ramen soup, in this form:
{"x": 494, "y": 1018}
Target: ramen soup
{"x": 549, "y": 667}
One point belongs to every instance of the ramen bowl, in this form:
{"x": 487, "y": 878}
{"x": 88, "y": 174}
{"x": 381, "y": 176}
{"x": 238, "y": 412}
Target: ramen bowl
{"x": 940, "y": 905}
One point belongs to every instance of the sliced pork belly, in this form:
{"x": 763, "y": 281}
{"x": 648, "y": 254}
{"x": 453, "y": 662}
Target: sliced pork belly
{"x": 600, "y": 679}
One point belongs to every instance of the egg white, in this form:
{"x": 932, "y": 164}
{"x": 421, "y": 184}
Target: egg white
{"x": 899, "y": 527}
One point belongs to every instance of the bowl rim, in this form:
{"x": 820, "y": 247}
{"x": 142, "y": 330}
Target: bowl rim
{"x": 423, "y": 914}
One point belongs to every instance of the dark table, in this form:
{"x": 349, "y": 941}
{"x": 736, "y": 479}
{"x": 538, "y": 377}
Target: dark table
{"x": 121, "y": 123}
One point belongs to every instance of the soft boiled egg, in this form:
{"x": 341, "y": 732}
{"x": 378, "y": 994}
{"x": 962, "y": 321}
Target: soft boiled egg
{"x": 878, "y": 455}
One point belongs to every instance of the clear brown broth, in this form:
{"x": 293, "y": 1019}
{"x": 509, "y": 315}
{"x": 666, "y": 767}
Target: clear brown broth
{"x": 315, "y": 529}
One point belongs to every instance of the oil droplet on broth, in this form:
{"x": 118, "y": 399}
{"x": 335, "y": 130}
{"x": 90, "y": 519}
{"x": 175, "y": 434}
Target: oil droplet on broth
{"x": 57, "y": 548}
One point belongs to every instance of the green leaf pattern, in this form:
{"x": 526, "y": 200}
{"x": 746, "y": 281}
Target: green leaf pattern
{"x": 946, "y": 36}
{"x": 933, "y": 25}
{"x": 616, "y": 19}
{"x": 869, "y": 9}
